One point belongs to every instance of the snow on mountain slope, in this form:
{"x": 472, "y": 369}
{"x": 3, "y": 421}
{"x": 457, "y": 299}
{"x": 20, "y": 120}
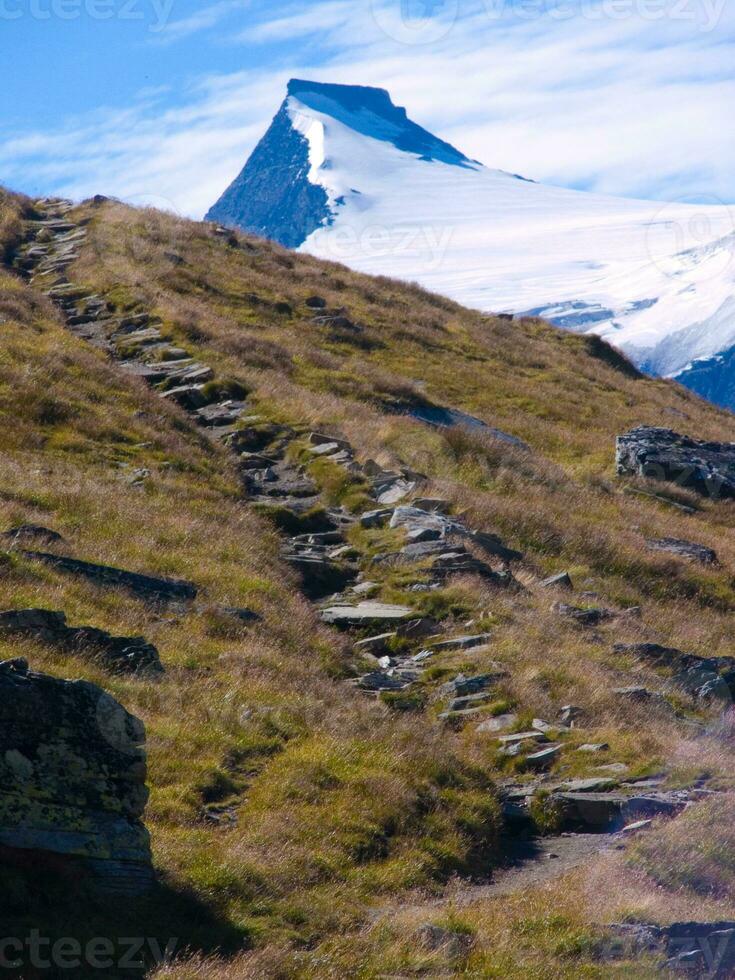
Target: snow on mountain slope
{"x": 386, "y": 197}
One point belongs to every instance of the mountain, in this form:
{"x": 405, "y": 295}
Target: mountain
{"x": 365, "y": 567}
{"x": 343, "y": 174}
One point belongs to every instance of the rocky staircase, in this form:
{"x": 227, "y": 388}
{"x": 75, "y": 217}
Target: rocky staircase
{"x": 318, "y": 540}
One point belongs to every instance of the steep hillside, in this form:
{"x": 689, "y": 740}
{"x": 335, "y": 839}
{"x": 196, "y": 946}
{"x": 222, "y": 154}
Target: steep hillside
{"x": 301, "y": 822}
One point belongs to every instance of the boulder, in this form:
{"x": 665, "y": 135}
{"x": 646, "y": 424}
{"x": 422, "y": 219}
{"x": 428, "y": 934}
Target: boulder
{"x": 696, "y": 949}
{"x": 379, "y": 680}
{"x": 398, "y": 490}
{"x": 374, "y": 644}
{"x": 599, "y": 811}
{"x": 72, "y": 784}
{"x": 638, "y": 695}
{"x": 700, "y": 681}
{"x": 375, "y": 518}
{"x": 662, "y": 454}
{"x": 569, "y": 714}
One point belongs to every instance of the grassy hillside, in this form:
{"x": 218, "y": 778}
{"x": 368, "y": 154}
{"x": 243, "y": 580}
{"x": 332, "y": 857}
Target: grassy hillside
{"x": 350, "y": 814}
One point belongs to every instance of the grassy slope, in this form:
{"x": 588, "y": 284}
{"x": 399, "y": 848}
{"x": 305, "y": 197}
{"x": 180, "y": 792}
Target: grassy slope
{"x": 343, "y": 804}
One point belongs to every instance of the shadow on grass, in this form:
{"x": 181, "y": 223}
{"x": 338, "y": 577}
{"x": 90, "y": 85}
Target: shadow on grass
{"x": 52, "y": 925}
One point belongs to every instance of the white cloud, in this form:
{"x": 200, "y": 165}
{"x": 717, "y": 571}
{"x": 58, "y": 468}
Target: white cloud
{"x": 207, "y": 17}
{"x": 627, "y": 105}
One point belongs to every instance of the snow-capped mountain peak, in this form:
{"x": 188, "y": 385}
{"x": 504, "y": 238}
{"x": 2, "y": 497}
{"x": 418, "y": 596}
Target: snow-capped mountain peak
{"x": 344, "y": 174}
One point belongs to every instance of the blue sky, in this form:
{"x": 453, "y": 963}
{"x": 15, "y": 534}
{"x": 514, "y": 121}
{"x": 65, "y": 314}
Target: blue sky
{"x": 161, "y": 101}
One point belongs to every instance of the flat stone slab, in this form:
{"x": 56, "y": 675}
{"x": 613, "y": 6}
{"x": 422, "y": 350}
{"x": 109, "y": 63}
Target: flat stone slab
{"x": 501, "y": 723}
{"x": 683, "y": 549}
{"x": 448, "y": 418}
{"x": 365, "y": 613}
{"x": 462, "y": 642}
{"x": 517, "y": 737}
{"x": 461, "y": 686}
{"x": 593, "y": 785}
{"x": 561, "y": 581}
{"x": 145, "y": 586}
{"x": 543, "y": 758}
{"x": 650, "y": 651}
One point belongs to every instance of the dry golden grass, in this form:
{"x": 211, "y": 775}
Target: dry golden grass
{"x": 344, "y": 805}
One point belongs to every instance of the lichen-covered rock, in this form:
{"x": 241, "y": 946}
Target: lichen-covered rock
{"x": 661, "y": 454}
{"x": 72, "y": 777}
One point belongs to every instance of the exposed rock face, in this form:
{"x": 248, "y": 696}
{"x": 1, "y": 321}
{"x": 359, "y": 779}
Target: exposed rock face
{"x": 272, "y": 197}
{"x": 144, "y": 586}
{"x": 661, "y": 454}
{"x": 441, "y": 417}
{"x": 684, "y": 549}
{"x": 72, "y": 777}
{"x": 123, "y": 654}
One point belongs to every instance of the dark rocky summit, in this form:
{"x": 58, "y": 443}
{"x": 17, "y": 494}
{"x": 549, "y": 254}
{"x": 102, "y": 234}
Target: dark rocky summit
{"x": 662, "y": 454}
{"x": 72, "y": 784}
{"x": 273, "y": 197}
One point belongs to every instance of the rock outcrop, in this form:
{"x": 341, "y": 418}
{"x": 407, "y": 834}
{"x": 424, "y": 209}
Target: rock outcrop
{"x": 689, "y": 550}
{"x": 121, "y": 654}
{"x": 661, "y": 454}
{"x": 72, "y": 783}
{"x": 144, "y": 586}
